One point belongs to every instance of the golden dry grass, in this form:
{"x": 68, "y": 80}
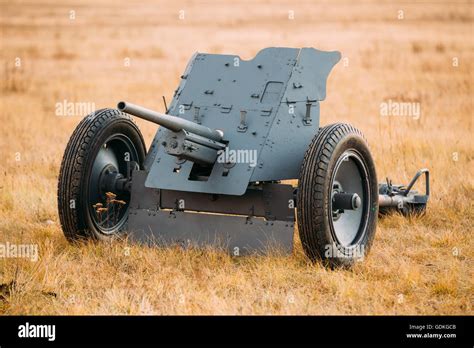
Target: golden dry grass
{"x": 416, "y": 266}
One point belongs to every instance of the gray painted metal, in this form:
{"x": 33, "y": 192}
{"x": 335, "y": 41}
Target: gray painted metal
{"x": 402, "y": 198}
{"x": 237, "y": 234}
{"x": 271, "y": 201}
{"x": 260, "y": 220}
{"x": 289, "y": 137}
{"x": 173, "y": 123}
{"x": 268, "y": 105}
{"x": 184, "y": 139}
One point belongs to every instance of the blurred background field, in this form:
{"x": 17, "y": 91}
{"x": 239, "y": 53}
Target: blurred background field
{"x": 103, "y": 52}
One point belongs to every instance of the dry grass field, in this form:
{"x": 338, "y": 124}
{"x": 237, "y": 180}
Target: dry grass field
{"x": 417, "y": 52}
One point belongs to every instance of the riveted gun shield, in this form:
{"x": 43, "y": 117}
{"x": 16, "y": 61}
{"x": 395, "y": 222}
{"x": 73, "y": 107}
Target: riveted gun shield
{"x": 213, "y": 175}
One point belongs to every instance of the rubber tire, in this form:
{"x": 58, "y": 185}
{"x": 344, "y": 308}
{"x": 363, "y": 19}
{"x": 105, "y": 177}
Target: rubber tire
{"x": 89, "y": 135}
{"x": 314, "y": 193}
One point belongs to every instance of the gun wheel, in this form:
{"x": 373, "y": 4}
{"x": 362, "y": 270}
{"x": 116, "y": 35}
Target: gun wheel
{"x": 337, "y": 197}
{"x": 92, "y": 195}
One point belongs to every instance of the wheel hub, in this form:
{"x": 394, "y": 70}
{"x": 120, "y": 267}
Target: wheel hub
{"x": 109, "y": 179}
{"x": 108, "y": 197}
{"x": 348, "y": 198}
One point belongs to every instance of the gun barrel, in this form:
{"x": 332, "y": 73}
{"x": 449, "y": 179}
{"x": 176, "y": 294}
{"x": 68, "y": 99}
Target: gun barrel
{"x": 172, "y": 123}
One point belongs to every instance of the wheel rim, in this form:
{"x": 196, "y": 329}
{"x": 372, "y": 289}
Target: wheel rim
{"x": 111, "y": 161}
{"x": 350, "y": 176}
